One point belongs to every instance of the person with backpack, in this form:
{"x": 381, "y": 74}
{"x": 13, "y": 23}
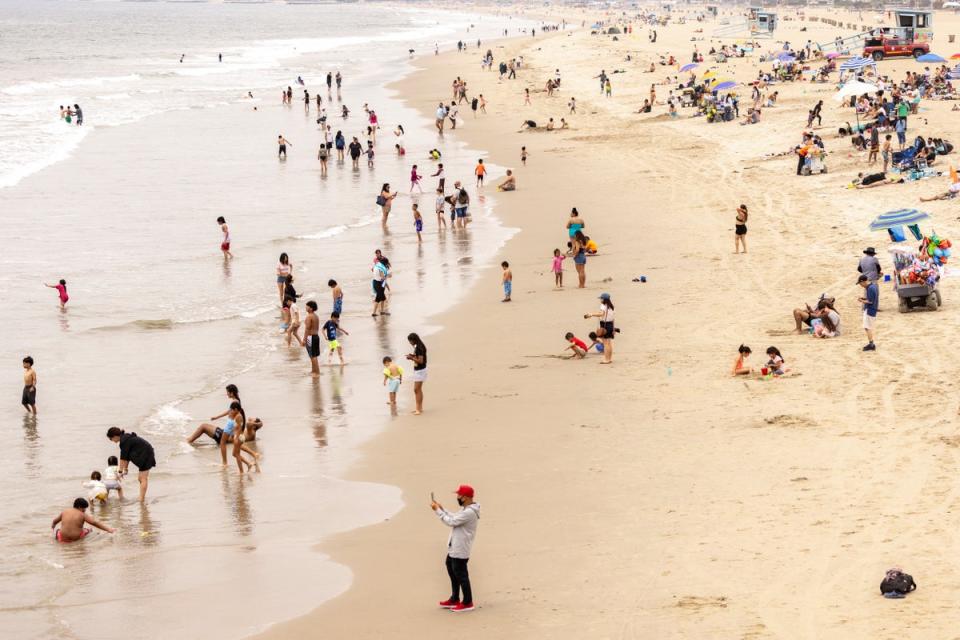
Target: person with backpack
{"x": 463, "y": 530}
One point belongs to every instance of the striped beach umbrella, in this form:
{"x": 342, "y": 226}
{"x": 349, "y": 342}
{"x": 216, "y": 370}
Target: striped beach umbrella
{"x": 855, "y": 64}
{"x": 723, "y": 86}
{"x": 690, "y": 66}
{"x": 897, "y": 218}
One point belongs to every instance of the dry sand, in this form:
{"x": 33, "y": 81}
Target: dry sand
{"x": 659, "y": 494}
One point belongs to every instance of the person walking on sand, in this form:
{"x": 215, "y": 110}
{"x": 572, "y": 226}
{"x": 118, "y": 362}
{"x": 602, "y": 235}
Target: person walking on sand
{"x": 311, "y": 337}
{"x": 606, "y": 332}
{"x": 61, "y": 288}
{"x": 463, "y": 531}
{"x": 29, "y": 397}
{"x": 870, "y": 303}
{"x": 225, "y": 242}
{"x": 526, "y": 97}
{"x": 71, "y": 523}
{"x": 282, "y": 150}
{"x": 740, "y": 229}
{"x": 134, "y": 449}
{"x": 869, "y": 266}
{"x": 419, "y": 359}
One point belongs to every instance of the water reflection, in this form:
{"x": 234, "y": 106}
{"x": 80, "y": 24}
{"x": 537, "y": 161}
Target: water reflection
{"x": 31, "y": 446}
{"x": 64, "y": 319}
{"x": 316, "y": 410}
{"x": 149, "y": 528}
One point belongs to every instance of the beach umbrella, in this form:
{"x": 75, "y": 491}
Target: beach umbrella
{"x": 955, "y": 56}
{"x": 897, "y": 218}
{"x": 931, "y": 57}
{"x": 723, "y": 86}
{"x": 785, "y": 56}
{"x": 709, "y": 74}
{"x": 855, "y": 88}
{"x": 690, "y": 66}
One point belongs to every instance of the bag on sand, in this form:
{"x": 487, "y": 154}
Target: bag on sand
{"x": 897, "y": 582}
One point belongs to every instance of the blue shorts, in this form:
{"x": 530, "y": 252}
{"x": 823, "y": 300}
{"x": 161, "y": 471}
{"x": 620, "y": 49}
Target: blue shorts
{"x": 338, "y": 305}
{"x": 508, "y": 287}
{"x": 461, "y": 212}
{"x": 418, "y": 225}
{"x": 393, "y": 384}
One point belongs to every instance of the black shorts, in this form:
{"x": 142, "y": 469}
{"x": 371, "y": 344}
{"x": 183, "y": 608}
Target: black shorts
{"x": 145, "y": 465}
{"x": 379, "y": 294}
{"x": 741, "y": 230}
{"x": 217, "y": 435}
{"x": 608, "y": 330}
{"x": 313, "y": 346}
{"x": 29, "y": 396}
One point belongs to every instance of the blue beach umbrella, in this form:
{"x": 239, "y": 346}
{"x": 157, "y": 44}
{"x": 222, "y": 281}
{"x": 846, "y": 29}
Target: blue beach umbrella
{"x": 689, "y": 66}
{"x": 897, "y": 218}
{"x": 724, "y": 86}
{"x": 785, "y": 57}
{"x": 931, "y": 57}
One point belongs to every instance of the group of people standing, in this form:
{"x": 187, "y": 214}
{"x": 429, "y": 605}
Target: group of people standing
{"x": 71, "y": 114}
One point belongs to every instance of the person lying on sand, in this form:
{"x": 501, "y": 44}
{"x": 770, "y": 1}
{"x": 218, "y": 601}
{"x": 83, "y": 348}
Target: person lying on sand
{"x": 528, "y": 124}
{"x": 951, "y": 192}
{"x": 874, "y": 180}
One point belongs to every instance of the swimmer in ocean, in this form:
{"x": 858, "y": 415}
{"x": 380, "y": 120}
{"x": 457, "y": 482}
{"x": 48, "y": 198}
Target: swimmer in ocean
{"x": 71, "y": 523}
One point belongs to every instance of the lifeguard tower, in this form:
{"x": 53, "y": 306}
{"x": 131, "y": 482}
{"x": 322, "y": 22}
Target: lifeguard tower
{"x": 762, "y": 23}
{"x": 759, "y": 23}
{"x": 915, "y": 25}
{"x": 909, "y": 26}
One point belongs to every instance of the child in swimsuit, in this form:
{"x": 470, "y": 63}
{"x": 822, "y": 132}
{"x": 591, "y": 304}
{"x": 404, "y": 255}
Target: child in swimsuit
{"x": 740, "y": 367}
{"x": 61, "y": 288}
{"x": 557, "y": 268}
{"x": 776, "y": 361}
{"x": 417, "y": 222}
{"x": 392, "y": 377}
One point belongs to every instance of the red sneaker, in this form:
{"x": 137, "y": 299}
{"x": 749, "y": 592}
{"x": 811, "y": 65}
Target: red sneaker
{"x": 449, "y": 604}
{"x": 462, "y": 607}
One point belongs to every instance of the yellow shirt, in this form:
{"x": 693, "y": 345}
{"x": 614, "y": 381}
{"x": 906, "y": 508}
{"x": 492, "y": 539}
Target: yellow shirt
{"x": 591, "y": 245}
{"x": 386, "y": 372}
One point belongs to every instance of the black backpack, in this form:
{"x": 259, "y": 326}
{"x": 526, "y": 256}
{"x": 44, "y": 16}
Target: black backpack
{"x": 897, "y": 581}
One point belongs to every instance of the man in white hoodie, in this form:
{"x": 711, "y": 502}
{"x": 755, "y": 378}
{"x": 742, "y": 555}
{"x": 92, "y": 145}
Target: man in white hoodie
{"x": 463, "y": 530}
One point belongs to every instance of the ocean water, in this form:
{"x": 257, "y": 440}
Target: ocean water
{"x": 124, "y": 209}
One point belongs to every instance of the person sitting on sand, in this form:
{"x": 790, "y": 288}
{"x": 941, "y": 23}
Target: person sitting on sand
{"x": 71, "y": 523}
{"x": 509, "y": 183}
{"x": 646, "y": 108}
{"x": 826, "y": 323}
{"x": 753, "y": 117}
{"x": 550, "y": 125}
{"x": 775, "y": 363}
{"x": 740, "y": 367}
{"x": 808, "y": 315}
{"x": 564, "y": 124}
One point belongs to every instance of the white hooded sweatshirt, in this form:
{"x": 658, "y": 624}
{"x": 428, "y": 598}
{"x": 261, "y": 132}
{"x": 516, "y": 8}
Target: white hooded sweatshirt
{"x": 464, "y": 529}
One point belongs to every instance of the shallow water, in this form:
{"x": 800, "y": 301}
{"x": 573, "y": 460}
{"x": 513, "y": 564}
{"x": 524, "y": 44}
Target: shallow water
{"x": 158, "y": 322}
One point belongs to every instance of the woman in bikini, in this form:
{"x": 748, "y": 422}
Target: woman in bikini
{"x": 578, "y": 249}
{"x": 740, "y": 230}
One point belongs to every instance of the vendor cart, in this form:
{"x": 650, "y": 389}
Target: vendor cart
{"x": 916, "y": 281}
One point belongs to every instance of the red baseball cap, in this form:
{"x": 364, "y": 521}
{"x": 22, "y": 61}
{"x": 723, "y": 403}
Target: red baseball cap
{"x": 465, "y": 490}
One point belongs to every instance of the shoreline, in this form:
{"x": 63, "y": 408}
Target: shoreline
{"x": 654, "y": 479}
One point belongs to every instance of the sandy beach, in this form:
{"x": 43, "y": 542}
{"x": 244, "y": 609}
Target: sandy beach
{"x": 658, "y": 495}
{"x": 661, "y": 494}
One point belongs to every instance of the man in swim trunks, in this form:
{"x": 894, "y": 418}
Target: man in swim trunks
{"x": 283, "y": 142}
{"x": 311, "y": 337}
{"x": 337, "y": 296}
{"x": 29, "y": 397}
{"x": 71, "y": 522}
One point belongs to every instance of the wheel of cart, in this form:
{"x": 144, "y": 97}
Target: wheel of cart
{"x": 918, "y": 296}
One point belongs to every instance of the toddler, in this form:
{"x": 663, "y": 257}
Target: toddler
{"x": 392, "y": 377}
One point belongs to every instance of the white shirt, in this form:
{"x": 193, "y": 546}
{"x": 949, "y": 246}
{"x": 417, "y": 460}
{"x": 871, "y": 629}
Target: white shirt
{"x": 441, "y": 113}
